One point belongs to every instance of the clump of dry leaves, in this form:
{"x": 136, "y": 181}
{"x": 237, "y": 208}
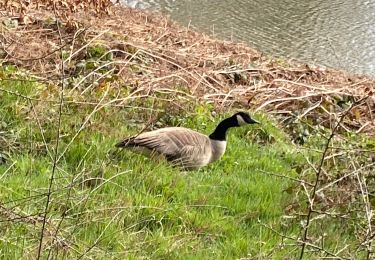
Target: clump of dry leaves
{"x": 23, "y": 6}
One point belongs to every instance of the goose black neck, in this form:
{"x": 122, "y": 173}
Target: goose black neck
{"x": 221, "y": 130}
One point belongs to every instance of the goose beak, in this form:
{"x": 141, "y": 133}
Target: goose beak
{"x": 253, "y": 121}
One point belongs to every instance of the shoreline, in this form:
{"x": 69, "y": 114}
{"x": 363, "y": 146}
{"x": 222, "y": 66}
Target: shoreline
{"x": 148, "y": 51}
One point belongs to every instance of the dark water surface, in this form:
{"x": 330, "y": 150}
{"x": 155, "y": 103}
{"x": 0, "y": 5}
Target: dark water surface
{"x": 334, "y": 33}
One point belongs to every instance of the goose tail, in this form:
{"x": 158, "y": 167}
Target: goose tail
{"x": 129, "y": 142}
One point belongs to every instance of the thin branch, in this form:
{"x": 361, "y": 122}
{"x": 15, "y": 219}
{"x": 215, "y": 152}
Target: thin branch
{"x": 287, "y": 177}
{"x": 56, "y": 146}
{"x": 319, "y": 171}
{"x": 283, "y": 236}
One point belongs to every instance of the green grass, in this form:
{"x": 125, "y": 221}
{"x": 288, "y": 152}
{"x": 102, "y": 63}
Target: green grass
{"x": 116, "y": 204}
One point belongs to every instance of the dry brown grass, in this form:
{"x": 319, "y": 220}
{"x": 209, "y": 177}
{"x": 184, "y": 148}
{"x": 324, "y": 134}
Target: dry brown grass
{"x": 150, "y": 53}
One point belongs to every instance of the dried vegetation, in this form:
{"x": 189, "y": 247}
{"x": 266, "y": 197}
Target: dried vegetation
{"x": 150, "y": 53}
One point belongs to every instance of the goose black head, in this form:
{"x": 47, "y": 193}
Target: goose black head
{"x": 244, "y": 118}
{"x": 238, "y": 119}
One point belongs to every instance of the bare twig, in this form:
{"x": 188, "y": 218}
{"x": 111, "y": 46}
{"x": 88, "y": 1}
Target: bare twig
{"x": 319, "y": 171}
{"x": 55, "y": 159}
{"x": 287, "y": 177}
{"x": 298, "y": 241}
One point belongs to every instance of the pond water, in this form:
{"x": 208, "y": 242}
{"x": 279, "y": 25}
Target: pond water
{"x": 337, "y": 34}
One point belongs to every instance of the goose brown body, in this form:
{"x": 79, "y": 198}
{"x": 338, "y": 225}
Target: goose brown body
{"x": 185, "y": 147}
{"x": 182, "y": 146}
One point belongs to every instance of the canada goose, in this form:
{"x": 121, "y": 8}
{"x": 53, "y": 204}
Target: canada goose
{"x": 185, "y": 147}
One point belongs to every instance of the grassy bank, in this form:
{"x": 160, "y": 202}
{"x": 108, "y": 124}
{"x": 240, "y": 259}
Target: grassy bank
{"x": 110, "y": 203}
{"x": 70, "y": 90}
{"x": 123, "y": 204}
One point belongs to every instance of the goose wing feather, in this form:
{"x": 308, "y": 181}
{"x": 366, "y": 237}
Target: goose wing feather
{"x": 190, "y": 157}
{"x": 177, "y": 143}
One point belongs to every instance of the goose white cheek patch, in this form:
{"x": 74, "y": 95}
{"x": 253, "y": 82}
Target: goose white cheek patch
{"x": 240, "y": 120}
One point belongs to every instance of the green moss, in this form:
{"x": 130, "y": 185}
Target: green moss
{"x": 98, "y": 51}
